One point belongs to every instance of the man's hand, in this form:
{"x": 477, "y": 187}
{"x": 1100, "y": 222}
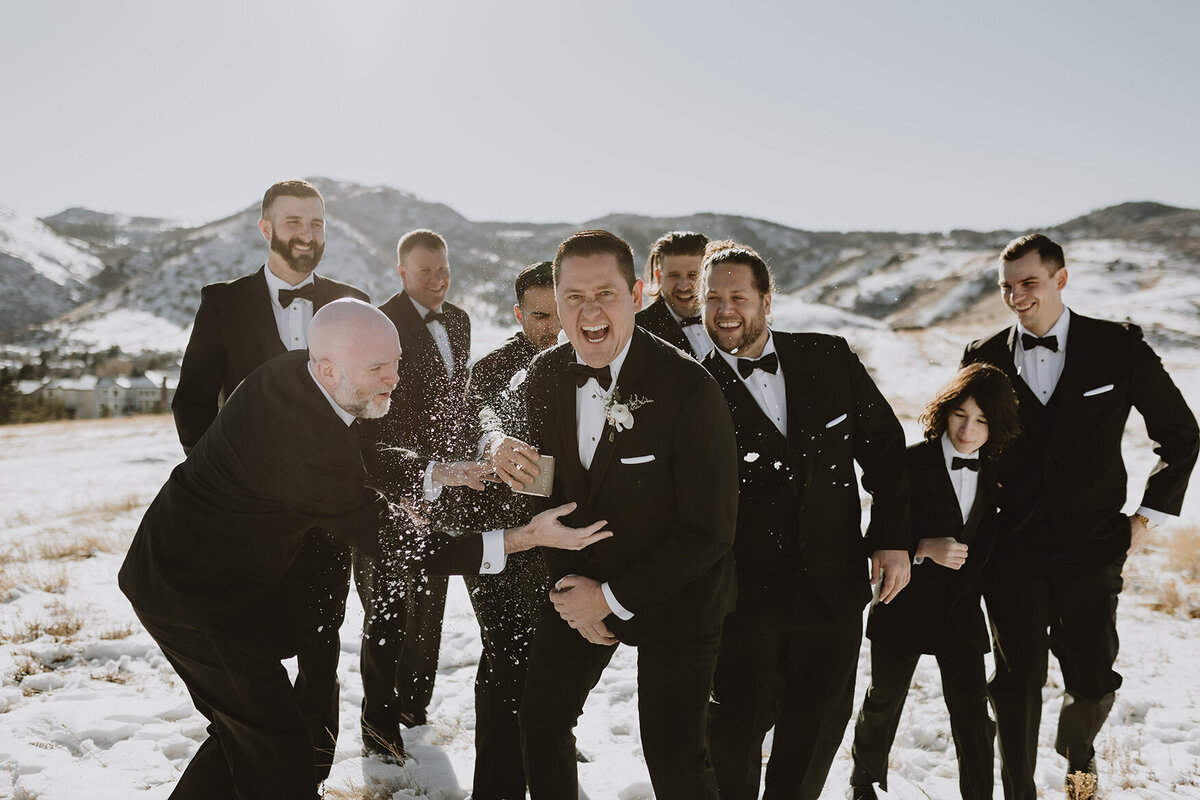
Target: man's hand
{"x": 463, "y": 473}
{"x": 894, "y": 568}
{"x": 513, "y": 461}
{"x": 597, "y": 634}
{"x": 1138, "y": 534}
{"x": 579, "y": 601}
{"x": 944, "y": 550}
{"x": 417, "y": 510}
{"x": 545, "y": 530}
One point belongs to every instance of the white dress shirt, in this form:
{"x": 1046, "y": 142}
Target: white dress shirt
{"x": 292, "y": 322}
{"x": 440, "y": 336}
{"x": 1040, "y": 368}
{"x": 965, "y": 481}
{"x": 696, "y": 335}
{"x": 493, "y": 541}
{"x": 769, "y": 391}
{"x": 590, "y": 418}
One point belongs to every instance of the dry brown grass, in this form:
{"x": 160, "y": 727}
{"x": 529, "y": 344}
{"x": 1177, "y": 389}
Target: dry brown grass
{"x": 123, "y": 632}
{"x": 26, "y": 664}
{"x": 74, "y": 548}
{"x": 1168, "y": 598}
{"x": 1183, "y": 553}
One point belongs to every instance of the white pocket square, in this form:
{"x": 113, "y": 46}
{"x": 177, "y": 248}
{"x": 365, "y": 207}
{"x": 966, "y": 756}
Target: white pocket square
{"x": 1108, "y": 387}
{"x": 835, "y": 421}
{"x": 638, "y": 460}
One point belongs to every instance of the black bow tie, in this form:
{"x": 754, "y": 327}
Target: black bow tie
{"x": 1029, "y": 341}
{"x": 768, "y": 363}
{"x": 969, "y": 463}
{"x": 435, "y": 316}
{"x": 685, "y": 321}
{"x": 306, "y": 292}
{"x": 581, "y": 373}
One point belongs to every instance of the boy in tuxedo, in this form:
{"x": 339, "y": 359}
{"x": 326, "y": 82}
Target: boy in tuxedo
{"x": 953, "y": 478}
{"x": 1063, "y": 538}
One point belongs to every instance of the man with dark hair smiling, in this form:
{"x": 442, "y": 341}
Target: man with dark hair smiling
{"x": 805, "y": 411}
{"x": 1063, "y": 539}
{"x": 241, "y": 324}
{"x": 674, "y": 269}
{"x": 628, "y": 417}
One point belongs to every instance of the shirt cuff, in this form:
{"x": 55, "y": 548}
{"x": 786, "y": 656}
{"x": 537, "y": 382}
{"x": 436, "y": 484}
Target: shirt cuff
{"x": 493, "y": 553}
{"x": 485, "y": 442}
{"x": 918, "y": 560}
{"x": 611, "y": 599}
{"x": 1157, "y": 517}
{"x": 432, "y": 490}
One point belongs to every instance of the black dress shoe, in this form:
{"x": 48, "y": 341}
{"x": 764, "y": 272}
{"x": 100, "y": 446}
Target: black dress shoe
{"x": 863, "y": 793}
{"x": 412, "y": 719}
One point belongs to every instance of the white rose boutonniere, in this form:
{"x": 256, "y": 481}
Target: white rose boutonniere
{"x": 619, "y": 412}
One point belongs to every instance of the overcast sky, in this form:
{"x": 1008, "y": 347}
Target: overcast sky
{"x": 878, "y": 114}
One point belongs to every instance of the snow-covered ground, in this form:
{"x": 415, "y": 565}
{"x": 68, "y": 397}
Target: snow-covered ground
{"x": 89, "y": 707}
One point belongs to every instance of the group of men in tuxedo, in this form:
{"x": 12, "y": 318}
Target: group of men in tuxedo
{"x": 721, "y": 455}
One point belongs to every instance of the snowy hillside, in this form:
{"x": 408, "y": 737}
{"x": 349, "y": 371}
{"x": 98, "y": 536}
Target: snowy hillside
{"x": 41, "y": 273}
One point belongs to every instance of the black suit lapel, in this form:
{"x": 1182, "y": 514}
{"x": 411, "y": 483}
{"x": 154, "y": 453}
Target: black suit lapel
{"x": 941, "y": 489}
{"x": 673, "y": 333}
{"x": 326, "y": 293}
{"x": 427, "y": 349}
{"x": 803, "y": 381}
{"x": 261, "y": 316}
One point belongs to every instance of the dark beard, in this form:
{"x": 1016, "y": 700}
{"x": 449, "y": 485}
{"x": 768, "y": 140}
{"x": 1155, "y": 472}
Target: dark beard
{"x": 301, "y": 264}
{"x": 752, "y": 330}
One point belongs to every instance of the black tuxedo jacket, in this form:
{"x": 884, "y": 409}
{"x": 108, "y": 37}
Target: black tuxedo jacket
{"x": 657, "y": 319}
{"x": 234, "y": 332}
{"x": 800, "y": 509}
{"x": 1064, "y": 481}
{"x": 215, "y": 547}
{"x": 940, "y": 608}
{"x": 429, "y": 413}
{"x": 667, "y": 487}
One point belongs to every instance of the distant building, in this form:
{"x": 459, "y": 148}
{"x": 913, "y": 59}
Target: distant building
{"x": 88, "y": 397}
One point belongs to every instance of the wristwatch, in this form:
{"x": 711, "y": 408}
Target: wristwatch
{"x": 1146, "y": 521}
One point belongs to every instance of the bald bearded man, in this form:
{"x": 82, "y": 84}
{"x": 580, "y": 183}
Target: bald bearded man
{"x": 208, "y": 570}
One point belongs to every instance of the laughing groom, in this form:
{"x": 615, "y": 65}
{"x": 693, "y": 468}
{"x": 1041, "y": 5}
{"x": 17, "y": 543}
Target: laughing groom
{"x": 629, "y": 418}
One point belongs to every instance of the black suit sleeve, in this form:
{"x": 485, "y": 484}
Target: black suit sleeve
{"x": 1170, "y": 425}
{"x": 879, "y": 449}
{"x": 704, "y": 465}
{"x": 200, "y": 376}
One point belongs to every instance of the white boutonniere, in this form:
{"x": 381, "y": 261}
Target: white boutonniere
{"x": 517, "y": 379}
{"x": 619, "y": 412}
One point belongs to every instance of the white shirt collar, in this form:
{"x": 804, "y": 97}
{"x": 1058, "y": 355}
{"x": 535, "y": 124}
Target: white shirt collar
{"x": 422, "y": 310}
{"x": 732, "y": 360}
{"x": 275, "y": 283}
{"x": 950, "y": 452}
{"x": 614, "y": 366}
{"x": 345, "y": 415}
{"x": 1058, "y": 329}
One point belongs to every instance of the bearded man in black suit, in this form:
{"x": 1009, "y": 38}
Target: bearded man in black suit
{"x": 402, "y": 632}
{"x": 642, "y": 438}
{"x": 1063, "y": 538}
{"x": 673, "y": 273}
{"x": 209, "y": 571}
{"x": 805, "y": 411}
{"x": 507, "y": 604}
{"x": 241, "y": 324}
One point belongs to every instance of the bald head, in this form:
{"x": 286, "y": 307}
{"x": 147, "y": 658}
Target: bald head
{"x": 354, "y": 349}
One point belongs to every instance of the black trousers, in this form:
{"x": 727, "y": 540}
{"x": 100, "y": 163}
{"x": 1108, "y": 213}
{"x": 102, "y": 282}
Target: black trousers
{"x": 507, "y": 607}
{"x": 1054, "y": 605}
{"x": 964, "y": 687}
{"x": 258, "y": 745}
{"x": 794, "y": 674}
{"x": 324, "y": 565}
{"x": 674, "y": 676}
{"x": 402, "y": 634}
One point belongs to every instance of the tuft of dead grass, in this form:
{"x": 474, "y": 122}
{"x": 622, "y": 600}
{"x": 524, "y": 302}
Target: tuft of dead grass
{"x": 111, "y": 634}
{"x": 25, "y": 664}
{"x": 1168, "y": 598}
{"x": 1183, "y": 553}
{"x": 74, "y": 548}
